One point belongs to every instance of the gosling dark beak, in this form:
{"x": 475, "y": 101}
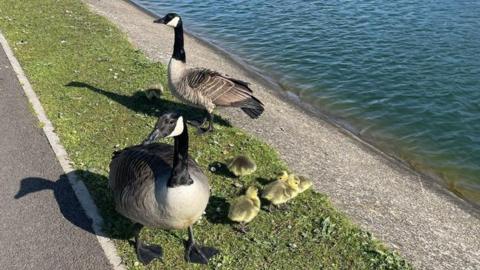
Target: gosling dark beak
{"x": 152, "y": 137}
{"x": 160, "y": 20}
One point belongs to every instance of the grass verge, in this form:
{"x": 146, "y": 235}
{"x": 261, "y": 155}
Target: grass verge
{"x": 88, "y": 78}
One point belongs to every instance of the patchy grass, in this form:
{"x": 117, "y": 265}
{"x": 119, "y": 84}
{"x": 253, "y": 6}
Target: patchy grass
{"x": 88, "y": 78}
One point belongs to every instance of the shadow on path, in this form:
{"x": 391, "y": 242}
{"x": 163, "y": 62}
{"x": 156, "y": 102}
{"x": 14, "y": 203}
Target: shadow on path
{"x": 64, "y": 195}
{"x": 115, "y": 225}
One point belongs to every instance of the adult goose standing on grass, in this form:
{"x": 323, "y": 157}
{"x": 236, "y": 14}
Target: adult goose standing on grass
{"x": 205, "y": 88}
{"x": 159, "y": 185}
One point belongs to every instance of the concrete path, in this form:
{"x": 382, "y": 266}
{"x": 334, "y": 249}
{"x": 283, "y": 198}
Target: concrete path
{"x": 42, "y": 225}
{"x": 412, "y": 214}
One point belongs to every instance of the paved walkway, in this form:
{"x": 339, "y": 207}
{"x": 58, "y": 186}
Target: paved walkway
{"x": 42, "y": 225}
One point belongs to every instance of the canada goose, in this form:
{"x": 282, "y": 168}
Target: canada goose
{"x": 202, "y": 87}
{"x": 159, "y": 185}
{"x": 242, "y": 165}
{"x": 245, "y": 208}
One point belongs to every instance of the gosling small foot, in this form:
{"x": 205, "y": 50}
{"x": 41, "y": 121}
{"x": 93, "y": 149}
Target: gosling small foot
{"x": 198, "y": 254}
{"x": 270, "y": 208}
{"x": 242, "y": 228}
{"x": 147, "y": 253}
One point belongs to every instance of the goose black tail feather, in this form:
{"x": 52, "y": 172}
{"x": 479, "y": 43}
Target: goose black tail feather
{"x": 242, "y": 83}
{"x": 253, "y": 107}
{"x": 253, "y": 113}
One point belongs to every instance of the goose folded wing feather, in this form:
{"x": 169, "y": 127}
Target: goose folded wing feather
{"x": 220, "y": 89}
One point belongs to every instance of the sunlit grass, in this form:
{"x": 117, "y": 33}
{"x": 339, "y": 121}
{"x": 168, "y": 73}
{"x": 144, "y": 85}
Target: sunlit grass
{"x": 88, "y": 78}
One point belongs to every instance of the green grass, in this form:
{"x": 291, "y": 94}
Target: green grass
{"x": 88, "y": 79}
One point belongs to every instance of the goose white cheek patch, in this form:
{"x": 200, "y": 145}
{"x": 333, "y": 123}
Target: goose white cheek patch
{"x": 173, "y": 22}
{"x": 178, "y": 128}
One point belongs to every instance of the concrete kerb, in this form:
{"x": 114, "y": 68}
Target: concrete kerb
{"x": 78, "y": 186}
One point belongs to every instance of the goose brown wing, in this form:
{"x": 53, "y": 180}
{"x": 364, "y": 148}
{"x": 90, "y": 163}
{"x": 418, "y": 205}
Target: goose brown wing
{"x": 137, "y": 165}
{"x": 220, "y": 89}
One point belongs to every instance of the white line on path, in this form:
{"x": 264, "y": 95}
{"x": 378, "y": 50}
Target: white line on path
{"x": 77, "y": 184}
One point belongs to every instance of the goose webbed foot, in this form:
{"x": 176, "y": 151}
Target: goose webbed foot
{"x": 203, "y": 131}
{"x": 197, "y": 123}
{"x": 147, "y": 253}
{"x": 198, "y": 254}
{"x": 209, "y": 128}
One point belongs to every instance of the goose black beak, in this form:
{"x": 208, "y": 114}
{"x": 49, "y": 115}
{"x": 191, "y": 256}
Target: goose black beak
{"x": 160, "y": 20}
{"x": 152, "y": 137}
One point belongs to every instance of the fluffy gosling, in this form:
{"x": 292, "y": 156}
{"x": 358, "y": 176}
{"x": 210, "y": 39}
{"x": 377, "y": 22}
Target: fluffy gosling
{"x": 283, "y": 176}
{"x": 304, "y": 183}
{"x": 241, "y": 166}
{"x": 245, "y": 208}
{"x": 281, "y": 191}
{"x": 154, "y": 92}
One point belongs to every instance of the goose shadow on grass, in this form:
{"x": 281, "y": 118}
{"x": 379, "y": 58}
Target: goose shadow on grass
{"x": 139, "y": 103}
{"x": 264, "y": 181}
{"x": 221, "y": 169}
{"x": 217, "y": 210}
{"x": 115, "y": 225}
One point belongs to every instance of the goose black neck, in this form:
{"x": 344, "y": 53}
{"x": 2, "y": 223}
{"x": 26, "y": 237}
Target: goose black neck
{"x": 180, "y": 175}
{"x": 178, "y": 50}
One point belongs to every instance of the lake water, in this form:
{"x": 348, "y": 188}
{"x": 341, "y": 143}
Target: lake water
{"x": 403, "y": 75}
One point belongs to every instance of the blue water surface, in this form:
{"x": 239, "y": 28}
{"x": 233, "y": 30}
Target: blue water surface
{"x": 404, "y": 75}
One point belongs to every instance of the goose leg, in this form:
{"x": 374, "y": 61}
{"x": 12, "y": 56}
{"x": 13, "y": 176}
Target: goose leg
{"x": 210, "y": 122}
{"x": 196, "y": 123}
{"x": 145, "y": 253}
{"x": 209, "y": 127}
{"x": 195, "y": 253}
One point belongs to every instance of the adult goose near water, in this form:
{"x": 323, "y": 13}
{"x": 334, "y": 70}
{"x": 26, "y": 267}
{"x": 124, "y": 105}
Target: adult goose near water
{"x": 205, "y": 88}
{"x": 159, "y": 185}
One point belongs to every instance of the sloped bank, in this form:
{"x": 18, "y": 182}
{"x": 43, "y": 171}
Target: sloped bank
{"x": 88, "y": 76}
{"x": 413, "y": 214}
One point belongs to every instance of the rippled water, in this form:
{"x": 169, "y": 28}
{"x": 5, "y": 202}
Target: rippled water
{"x": 405, "y": 75}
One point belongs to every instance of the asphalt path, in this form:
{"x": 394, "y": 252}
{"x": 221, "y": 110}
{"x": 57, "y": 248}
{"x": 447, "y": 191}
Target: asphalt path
{"x": 42, "y": 225}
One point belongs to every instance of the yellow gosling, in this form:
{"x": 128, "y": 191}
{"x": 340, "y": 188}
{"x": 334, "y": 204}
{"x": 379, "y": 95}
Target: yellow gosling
{"x": 304, "y": 184}
{"x": 242, "y": 165}
{"x": 245, "y": 208}
{"x": 281, "y": 191}
{"x": 283, "y": 176}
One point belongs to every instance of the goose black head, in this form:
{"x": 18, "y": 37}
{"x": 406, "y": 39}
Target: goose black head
{"x": 168, "y": 125}
{"x": 171, "y": 19}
